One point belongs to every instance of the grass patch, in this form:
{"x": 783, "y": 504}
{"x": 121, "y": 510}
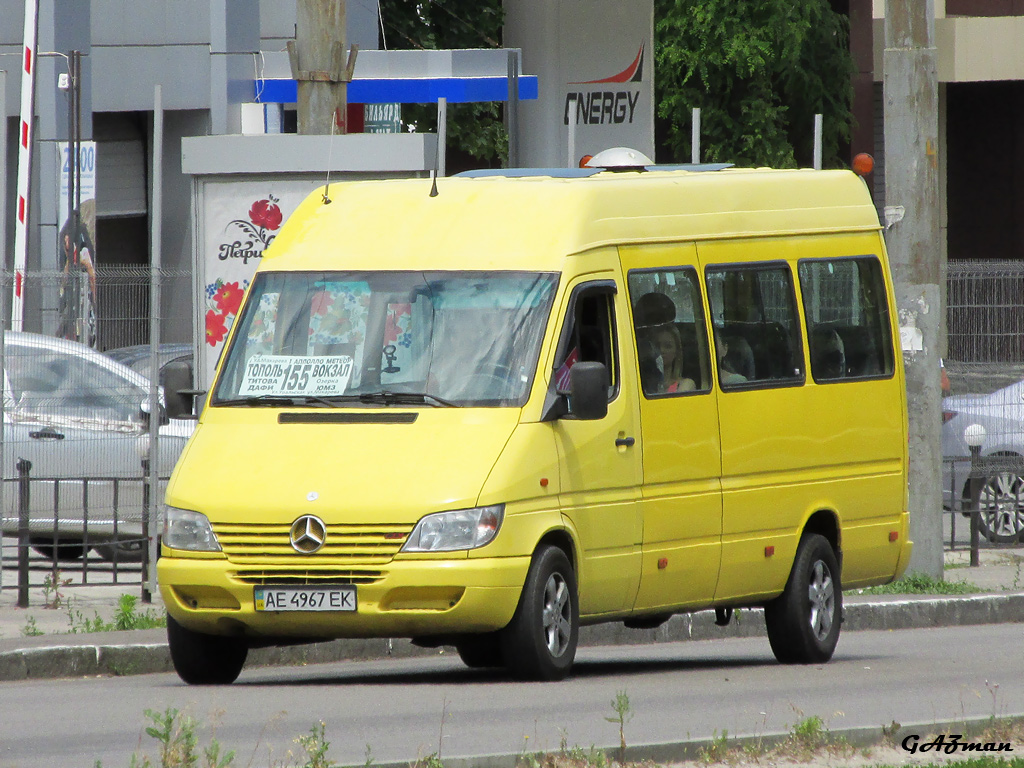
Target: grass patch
{"x": 127, "y": 616}
{"x": 921, "y": 584}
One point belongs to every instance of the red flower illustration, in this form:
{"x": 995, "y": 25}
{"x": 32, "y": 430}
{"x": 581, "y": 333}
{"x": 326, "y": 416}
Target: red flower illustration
{"x": 228, "y": 298}
{"x": 215, "y": 328}
{"x": 265, "y": 213}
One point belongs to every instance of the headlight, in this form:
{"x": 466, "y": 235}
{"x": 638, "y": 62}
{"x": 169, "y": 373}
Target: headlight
{"x": 460, "y": 529}
{"x": 185, "y": 529}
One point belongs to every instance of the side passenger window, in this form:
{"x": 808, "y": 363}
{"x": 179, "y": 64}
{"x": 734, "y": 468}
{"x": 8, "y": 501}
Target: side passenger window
{"x": 671, "y": 338}
{"x": 848, "y": 324}
{"x": 755, "y": 325}
{"x": 589, "y": 335}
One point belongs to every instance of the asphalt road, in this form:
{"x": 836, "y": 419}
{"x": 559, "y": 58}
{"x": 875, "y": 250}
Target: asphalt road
{"x": 403, "y": 709}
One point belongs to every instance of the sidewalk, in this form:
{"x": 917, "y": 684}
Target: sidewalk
{"x": 57, "y": 652}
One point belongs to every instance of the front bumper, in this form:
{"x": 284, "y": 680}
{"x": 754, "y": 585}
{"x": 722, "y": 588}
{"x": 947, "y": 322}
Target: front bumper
{"x": 411, "y": 598}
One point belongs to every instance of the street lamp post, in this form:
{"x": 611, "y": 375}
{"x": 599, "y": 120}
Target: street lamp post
{"x": 974, "y": 436}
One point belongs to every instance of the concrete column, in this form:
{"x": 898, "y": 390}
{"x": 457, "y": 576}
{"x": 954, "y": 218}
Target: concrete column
{"x": 915, "y": 250}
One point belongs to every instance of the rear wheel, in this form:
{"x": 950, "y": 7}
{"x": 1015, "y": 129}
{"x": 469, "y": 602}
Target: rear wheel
{"x": 201, "y": 659}
{"x": 481, "y": 651}
{"x": 124, "y": 551}
{"x": 1001, "y": 508}
{"x": 540, "y": 641}
{"x": 803, "y": 622}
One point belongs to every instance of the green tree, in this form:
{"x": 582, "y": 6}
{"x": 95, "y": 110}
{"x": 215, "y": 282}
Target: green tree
{"x": 759, "y": 72}
{"x": 476, "y": 132}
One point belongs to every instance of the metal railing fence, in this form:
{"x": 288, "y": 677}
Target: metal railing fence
{"x": 86, "y": 447}
{"x": 985, "y": 365}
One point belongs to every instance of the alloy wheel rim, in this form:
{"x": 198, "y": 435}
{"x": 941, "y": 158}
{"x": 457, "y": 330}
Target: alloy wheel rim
{"x": 1002, "y": 504}
{"x": 556, "y": 618}
{"x": 821, "y": 592}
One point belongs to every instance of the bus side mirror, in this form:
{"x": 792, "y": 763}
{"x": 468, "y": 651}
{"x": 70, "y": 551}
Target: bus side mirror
{"x": 178, "y": 392}
{"x": 588, "y": 391}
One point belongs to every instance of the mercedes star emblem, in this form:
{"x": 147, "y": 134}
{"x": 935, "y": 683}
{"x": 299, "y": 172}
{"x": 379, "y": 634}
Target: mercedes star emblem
{"x": 308, "y": 534}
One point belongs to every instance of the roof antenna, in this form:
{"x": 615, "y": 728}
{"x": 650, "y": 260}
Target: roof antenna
{"x": 330, "y": 150}
{"x": 442, "y": 124}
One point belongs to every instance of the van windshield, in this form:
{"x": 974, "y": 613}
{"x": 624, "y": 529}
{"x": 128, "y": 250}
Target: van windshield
{"x": 383, "y": 338}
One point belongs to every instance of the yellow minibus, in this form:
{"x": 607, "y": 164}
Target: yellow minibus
{"x": 489, "y": 413}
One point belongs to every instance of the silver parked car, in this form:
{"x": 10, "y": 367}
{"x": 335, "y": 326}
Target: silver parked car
{"x": 1001, "y": 500}
{"x": 79, "y": 418}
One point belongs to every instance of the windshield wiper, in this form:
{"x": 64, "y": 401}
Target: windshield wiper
{"x": 386, "y": 397}
{"x": 278, "y": 400}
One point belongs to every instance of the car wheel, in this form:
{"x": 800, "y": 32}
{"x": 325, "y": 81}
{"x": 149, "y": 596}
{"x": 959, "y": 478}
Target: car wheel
{"x": 62, "y": 553}
{"x": 803, "y": 622}
{"x": 201, "y": 659}
{"x": 540, "y": 641}
{"x": 126, "y": 551}
{"x": 1001, "y": 508}
{"x": 481, "y": 651}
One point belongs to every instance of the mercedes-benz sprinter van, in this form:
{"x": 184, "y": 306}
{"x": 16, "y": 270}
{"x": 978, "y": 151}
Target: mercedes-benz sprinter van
{"x": 539, "y": 400}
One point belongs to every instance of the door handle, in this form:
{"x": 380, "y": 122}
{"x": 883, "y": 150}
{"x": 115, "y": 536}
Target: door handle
{"x": 47, "y": 433}
{"x": 626, "y": 442}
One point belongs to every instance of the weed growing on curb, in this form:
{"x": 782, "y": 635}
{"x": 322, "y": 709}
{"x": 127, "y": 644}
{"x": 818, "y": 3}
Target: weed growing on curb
{"x": 126, "y": 617}
{"x": 316, "y": 746}
{"x": 52, "y": 597}
{"x": 718, "y": 750}
{"x": 921, "y": 584}
{"x": 31, "y": 629}
{"x": 623, "y": 714}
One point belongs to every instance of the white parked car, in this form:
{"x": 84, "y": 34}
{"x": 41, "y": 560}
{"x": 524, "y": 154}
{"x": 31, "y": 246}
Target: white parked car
{"x": 80, "y": 419}
{"x": 1001, "y": 501}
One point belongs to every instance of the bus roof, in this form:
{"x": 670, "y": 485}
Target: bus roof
{"x": 531, "y": 222}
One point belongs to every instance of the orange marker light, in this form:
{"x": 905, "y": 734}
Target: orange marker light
{"x": 543, "y": 482}
{"x": 662, "y": 563}
{"x": 863, "y": 164}
{"x": 894, "y": 535}
{"x": 769, "y": 550}
{"x": 584, "y": 160}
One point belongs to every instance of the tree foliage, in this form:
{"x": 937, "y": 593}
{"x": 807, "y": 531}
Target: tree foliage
{"x": 759, "y": 72}
{"x": 476, "y": 132}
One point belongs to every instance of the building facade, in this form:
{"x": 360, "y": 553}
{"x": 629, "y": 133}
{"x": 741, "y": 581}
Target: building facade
{"x": 981, "y": 119}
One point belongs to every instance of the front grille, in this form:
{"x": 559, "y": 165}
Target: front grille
{"x": 344, "y": 543}
{"x": 305, "y": 576}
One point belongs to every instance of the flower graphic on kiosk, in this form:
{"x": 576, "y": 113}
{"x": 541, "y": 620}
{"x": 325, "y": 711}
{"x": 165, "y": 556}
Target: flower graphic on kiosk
{"x": 223, "y": 301}
{"x": 264, "y": 220}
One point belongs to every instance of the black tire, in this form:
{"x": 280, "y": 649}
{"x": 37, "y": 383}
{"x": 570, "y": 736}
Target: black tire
{"x": 201, "y": 659}
{"x": 1001, "y": 508}
{"x": 803, "y": 622}
{"x": 127, "y": 551}
{"x": 540, "y": 641}
{"x": 481, "y": 651}
{"x": 62, "y": 553}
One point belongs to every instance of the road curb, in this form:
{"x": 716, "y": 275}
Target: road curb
{"x": 694, "y": 749}
{"x": 81, "y": 660}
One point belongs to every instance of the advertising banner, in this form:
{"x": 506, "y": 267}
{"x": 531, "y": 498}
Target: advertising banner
{"x": 239, "y": 219}
{"x": 75, "y": 249}
{"x": 594, "y": 60}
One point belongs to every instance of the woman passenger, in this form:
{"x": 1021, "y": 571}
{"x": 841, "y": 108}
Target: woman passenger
{"x": 670, "y": 347}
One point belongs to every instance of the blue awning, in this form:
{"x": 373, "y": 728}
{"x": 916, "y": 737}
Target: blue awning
{"x": 413, "y": 90}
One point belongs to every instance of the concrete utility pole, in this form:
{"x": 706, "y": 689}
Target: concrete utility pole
{"x": 318, "y": 64}
{"x": 912, "y": 237}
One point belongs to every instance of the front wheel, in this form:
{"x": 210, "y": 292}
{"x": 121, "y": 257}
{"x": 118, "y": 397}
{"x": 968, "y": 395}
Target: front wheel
{"x": 201, "y": 659}
{"x": 540, "y": 641}
{"x": 803, "y": 622}
{"x": 64, "y": 553}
